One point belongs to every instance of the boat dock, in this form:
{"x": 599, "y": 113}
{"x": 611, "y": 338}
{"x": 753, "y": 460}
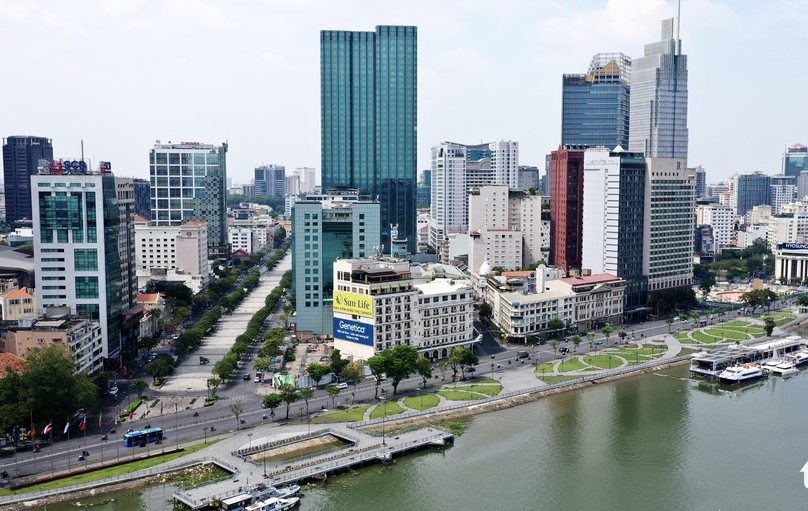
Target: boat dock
{"x": 712, "y": 362}
{"x": 362, "y": 449}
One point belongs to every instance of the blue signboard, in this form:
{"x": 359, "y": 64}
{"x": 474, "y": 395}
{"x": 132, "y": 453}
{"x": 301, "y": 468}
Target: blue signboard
{"x": 794, "y": 246}
{"x": 353, "y": 331}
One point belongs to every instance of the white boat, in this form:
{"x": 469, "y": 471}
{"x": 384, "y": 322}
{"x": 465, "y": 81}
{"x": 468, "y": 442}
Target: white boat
{"x": 798, "y": 357}
{"x": 742, "y": 373}
{"x": 274, "y": 504}
{"x": 785, "y": 368}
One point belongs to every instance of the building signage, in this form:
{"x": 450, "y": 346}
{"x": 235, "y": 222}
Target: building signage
{"x": 794, "y": 246}
{"x": 353, "y": 331}
{"x": 349, "y": 303}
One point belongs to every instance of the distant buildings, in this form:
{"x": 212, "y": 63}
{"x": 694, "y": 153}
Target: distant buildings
{"x": 308, "y": 178}
{"x": 82, "y": 337}
{"x": 18, "y": 303}
{"x": 750, "y": 190}
{"x": 719, "y": 217}
{"x": 142, "y": 198}
{"x": 566, "y": 205}
{"x": 795, "y": 160}
{"x": 529, "y": 178}
{"x": 368, "y": 84}
{"x": 172, "y": 253}
{"x": 21, "y": 157}
{"x": 782, "y": 190}
{"x": 270, "y": 180}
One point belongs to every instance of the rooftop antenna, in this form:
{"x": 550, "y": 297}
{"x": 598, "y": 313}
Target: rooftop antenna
{"x": 82, "y": 149}
{"x": 678, "y": 12}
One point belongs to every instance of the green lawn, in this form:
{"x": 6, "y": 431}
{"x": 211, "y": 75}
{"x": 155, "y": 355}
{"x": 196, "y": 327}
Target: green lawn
{"x": 709, "y": 339}
{"x": 642, "y": 351}
{"x": 688, "y": 351}
{"x": 391, "y": 408}
{"x": 603, "y": 361}
{"x": 452, "y": 395}
{"x": 491, "y": 390}
{"x": 415, "y": 402}
{"x": 746, "y": 330}
{"x": 546, "y": 368}
{"x": 353, "y": 414}
{"x": 682, "y": 335}
{"x": 632, "y": 357}
{"x": 573, "y": 364}
{"x": 737, "y": 323}
{"x": 555, "y": 379}
{"x": 688, "y": 341}
{"x": 109, "y": 472}
{"x": 728, "y": 334}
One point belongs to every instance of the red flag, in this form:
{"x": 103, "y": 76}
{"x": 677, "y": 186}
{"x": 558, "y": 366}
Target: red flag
{"x": 83, "y": 423}
{"x": 47, "y": 429}
{"x": 132, "y": 413}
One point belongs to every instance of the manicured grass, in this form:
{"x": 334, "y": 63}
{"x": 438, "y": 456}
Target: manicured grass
{"x": 391, "y": 408}
{"x": 491, "y": 390}
{"x": 486, "y": 380}
{"x": 429, "y": 400}
{"x": 682, "y": 335}
{"x": 631, "y": 357}
{"x": 109, "y": 472}
{"x": 354, "y": 414}
{"x": 556, "y": 379}
{"x": 688, "y": 341}
{"x": 746, "y": 330}
{"x": 643, "y": 351}
{"x": 546, "y": 368}
{"x": 573, "y": 364}
{"x": 709, "y": 339}
{"x": 728, "y": 334}
{"x": 604, "y": 361}
{"x": 688, "y": 351}
{"x": 459, "y": 396}
{"x": 737, "y": 323}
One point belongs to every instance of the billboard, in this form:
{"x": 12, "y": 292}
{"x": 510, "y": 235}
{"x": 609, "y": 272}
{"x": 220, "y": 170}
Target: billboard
{"x": 353, "y": 331}
{"x": 349, "y": 303}
{"x": 794, "y": 246}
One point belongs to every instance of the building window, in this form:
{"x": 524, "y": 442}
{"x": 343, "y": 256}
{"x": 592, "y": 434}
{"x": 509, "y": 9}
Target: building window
{"x": 86, "y": 287}
{"x": 86, "y": 259}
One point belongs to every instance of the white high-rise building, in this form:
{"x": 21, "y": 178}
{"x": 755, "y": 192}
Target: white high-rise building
{"x": 172, "y": 253}
{"x": 720, "y": 219}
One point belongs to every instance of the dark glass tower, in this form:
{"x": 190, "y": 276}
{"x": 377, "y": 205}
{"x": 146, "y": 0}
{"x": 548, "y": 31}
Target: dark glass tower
{"x": 21, "y": 157}
{"x": 368, "y": 120}
{"x": 595, "y": 106}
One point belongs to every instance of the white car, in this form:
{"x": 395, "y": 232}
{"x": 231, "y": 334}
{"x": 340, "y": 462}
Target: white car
{"x": 113, "y": 391}
{"x": 342, "y": 385}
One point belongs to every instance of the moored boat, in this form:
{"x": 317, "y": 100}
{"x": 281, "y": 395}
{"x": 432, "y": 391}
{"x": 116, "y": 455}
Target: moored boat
{"x": 742, "y": 373}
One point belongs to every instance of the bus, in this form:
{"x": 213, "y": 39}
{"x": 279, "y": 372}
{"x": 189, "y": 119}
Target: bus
{"x": 142, "y": 437}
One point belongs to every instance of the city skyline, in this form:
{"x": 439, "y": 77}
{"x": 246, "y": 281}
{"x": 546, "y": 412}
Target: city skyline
{"x": 122, "y": 58}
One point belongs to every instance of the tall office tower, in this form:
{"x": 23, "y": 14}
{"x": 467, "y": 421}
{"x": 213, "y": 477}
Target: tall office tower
{"x": 595, "y": 106}
{"x": 750, "y": 190}
{"x": 658, "y": 126}
{"x": 547, "y": 178}
{"x": 669, "y": 224}
{"x": 188, "y": 183}
{"x": 291, "y": 184}
{"x": 76, "y": 228}
{"x": 782, "y": 190}
{"x": 325, "y": 228}
{"x": 142, "y": 198}
{"x": 308, "y": 178}
{"x": 795, "y": 160}
{"x": 701, "y": 181}
{"x": 270, "y": 180}
{"x": 613, "y": 221}
{"x": 21, "y": 157}
{"x": 528, "y": 178}
{"x": 719, "y": 217}
{"x": 368, "y": 83}
{"x": 566, "y": 203}
{"x": 131, "y": 313}
{"x": 802, "y": 184}
{"x": 715, "y": 191}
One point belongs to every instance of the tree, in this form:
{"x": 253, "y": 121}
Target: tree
{"x": 333, "y": 392}
{"x": 769, "y": 324}
{"x": 289, "y": 396}
{"x": 576, "y": 341}
{"x": 400, "y": 363}
{"x": 705, "y": 287}
{"x": 272, "y": 401}
{"x": 443, "y": 367}
{"x": 262, "y": 364}
{"x": 555, "y": 326}
{"x": 554, "y": 343}
{"x": 161, "y": 366}
{"x": 591, "y": 338}
{"x": 669, "y": 321}
{"x": 306, "y": 394}
{"x": 607, "y": 331}
{"x": 213, "y": 384}
{"x": 462, "y": 357}
{"x": 138, "y": 386}
{"x": 317, "y": 371}
{"x": 338, "y": 363}
{"x": 354, "y": 374}
{"x": 236, "y": 409}
{"x": 377, "y": 368}
{"x": 285, "y": 319}
{"x": 424, "y": 368}
{"x": 485, "y": 311}
{"x": 803, "y": 300}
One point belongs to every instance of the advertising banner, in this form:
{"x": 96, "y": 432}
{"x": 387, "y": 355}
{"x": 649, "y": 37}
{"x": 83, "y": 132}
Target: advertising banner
{"x": 353, "y": 331}
{"x": 349, "y": 303}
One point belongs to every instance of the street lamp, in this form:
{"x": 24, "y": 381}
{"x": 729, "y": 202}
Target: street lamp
{"x": 249, "y": 444}
{"x": 206, "y": 435}
{"x": 492, "y": 370}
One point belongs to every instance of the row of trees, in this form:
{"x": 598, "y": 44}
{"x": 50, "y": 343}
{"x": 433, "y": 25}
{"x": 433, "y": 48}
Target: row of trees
{"x": 191, "y": 339}
{"x": 277, "y": 256}
{"x": 232, "y": 300}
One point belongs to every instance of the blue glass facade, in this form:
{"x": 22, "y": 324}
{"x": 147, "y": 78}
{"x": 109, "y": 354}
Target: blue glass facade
{"x": 595, "y": 106}
{"x": 368, "y": 86}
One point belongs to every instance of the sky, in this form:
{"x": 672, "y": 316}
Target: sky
{"x": 121, "y": 74}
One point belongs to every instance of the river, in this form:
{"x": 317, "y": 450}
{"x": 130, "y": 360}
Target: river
{"x": 661, "y": 442}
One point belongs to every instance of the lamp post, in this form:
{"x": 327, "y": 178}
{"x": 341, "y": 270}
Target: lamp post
{"x": 206, "y": 435}
{"x": 249, "y": 443}
{"x": 384, "y": 420}
{"x": 492, "y": 370}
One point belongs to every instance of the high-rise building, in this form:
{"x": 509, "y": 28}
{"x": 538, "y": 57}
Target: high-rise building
{"x": 308, "y": 178}
{"x": 701, "y": 181}
{"x": 528, "y": 178}
{"x": 718, "y": 217}
{"x": 566, "y": 204}
{"x": 291, "y": 184}
{"x": 658, "y": 125}
{"x": 172, "y": 253}
{"x": 595, "y": 105}
{"x": 669, "y": 224}
{"x": 270, "y": 180}
{"x": 142, "y": 198}
{"x": 188, "y": 183}
{"x": 76, "y": 247}
{"x": 782, "y": 190}
{"x": 613, "y": 221}
{"x": 802, "y": 184}
{"x": 750, "y": 190}
{"x": 795, "y": 160}
{"x": 131, "y": 314}
{"x": 21, "y": 157}
{"x": 326, "y": 228}
{"x": 368, "y": 83}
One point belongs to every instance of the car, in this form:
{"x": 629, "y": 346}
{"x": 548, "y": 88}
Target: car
{"x": 598, "y": 342}
{"x": 563, "y": 350}
{"x": 470, "y": 369}
{"x": 257, "y": 379}
{"x": 247, "y": 376}
{"x": 342, "y": 385}
{"x": 384, "y": 377}
{"x": 113, "y": 391}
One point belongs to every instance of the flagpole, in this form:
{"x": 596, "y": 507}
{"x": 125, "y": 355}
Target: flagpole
{"x": 85, "y": 441}
{"x": 16, "y": 437}
{"x": 68, "y": 444}
{"x": 33, "y": 441}
{"x": 51, "y": 446}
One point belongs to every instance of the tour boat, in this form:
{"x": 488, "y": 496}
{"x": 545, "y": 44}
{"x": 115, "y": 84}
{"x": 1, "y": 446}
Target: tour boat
{"x": 785, "y": 368}
{"x": 742, "y": 373}
{"x": 798, "y": 357}
{"x": 274, "y": 504}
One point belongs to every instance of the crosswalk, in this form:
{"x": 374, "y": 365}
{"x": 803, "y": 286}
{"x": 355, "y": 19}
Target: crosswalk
{"x": 235, "y": 398}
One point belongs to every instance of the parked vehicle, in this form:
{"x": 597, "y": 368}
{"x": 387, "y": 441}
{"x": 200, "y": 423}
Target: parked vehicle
{"x": 522, "y": 354}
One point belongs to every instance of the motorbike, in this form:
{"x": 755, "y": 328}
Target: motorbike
{"x": 212, "y": 428}
{"x": 104, "y": 437}
{"x": 196, "y": 414}
{"x": 4, "y": 474}
{"x": 81, "y": 457}
{"x": 112, "y": 430}
{"x": 264, "y": 417}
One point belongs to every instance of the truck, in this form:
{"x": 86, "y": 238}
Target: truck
{"x": 522, "y": 354}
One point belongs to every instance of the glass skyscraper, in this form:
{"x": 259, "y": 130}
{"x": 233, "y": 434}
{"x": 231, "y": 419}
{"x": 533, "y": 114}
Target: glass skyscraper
{"x": 368, "y": 87}
{"x": 658, "y": 126}
{"x": 595, "y": 106}
{"x": 795, "y": 160}
{"x": 21, "y": 157}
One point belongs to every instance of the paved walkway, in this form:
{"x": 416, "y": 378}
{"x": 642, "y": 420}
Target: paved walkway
{"x": 192, "y": 377}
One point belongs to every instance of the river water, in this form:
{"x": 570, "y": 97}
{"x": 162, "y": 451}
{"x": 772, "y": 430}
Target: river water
{"x": 659, "y": 441}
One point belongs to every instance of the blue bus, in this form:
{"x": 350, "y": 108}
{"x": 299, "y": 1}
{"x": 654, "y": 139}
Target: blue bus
{"x": 142, "y": 437}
